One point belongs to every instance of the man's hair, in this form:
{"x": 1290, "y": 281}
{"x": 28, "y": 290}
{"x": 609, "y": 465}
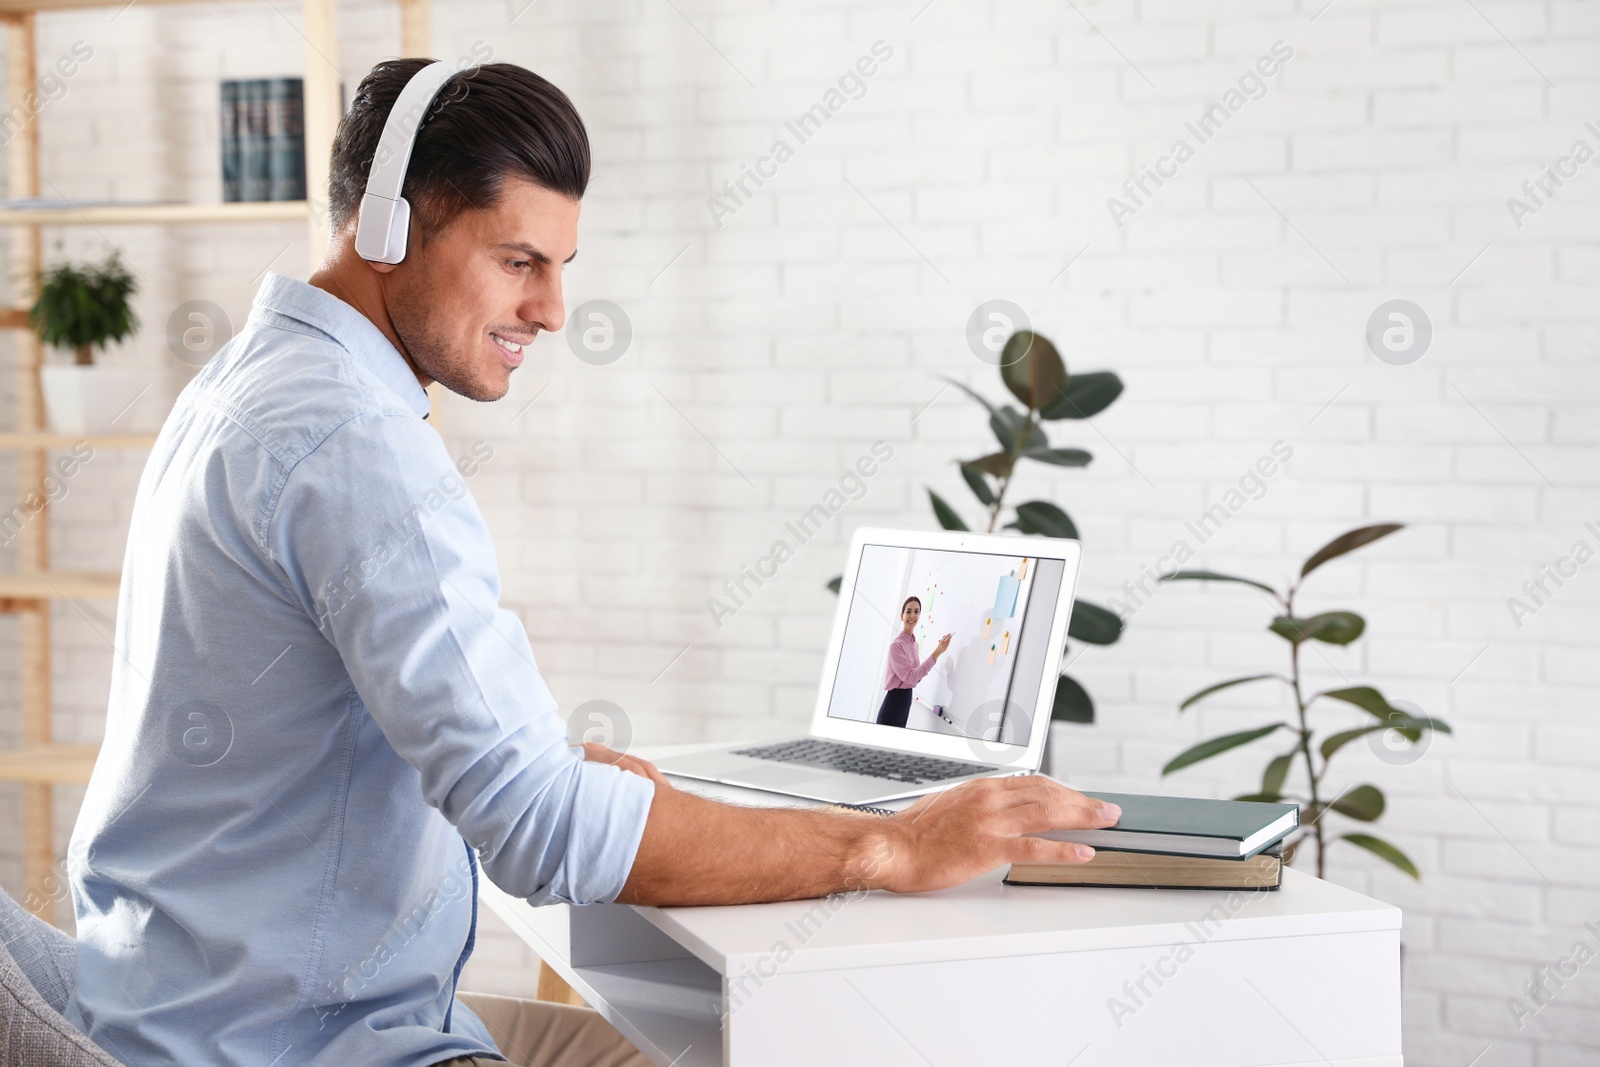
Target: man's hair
{"x": 488, "y": 123}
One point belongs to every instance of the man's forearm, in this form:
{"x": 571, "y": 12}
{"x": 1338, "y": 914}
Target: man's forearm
{"x": 699, "y": 851}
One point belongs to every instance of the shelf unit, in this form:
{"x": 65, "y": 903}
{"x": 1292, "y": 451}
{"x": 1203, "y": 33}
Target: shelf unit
{"x": 40, "y": 762}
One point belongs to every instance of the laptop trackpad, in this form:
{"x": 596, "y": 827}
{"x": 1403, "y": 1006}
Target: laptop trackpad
{"x": 777, "y": 776}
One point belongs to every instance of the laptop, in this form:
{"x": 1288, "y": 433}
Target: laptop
{"x": 889, "y": 724}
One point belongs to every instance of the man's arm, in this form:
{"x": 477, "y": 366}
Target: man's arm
{"x": 699, "y": 851}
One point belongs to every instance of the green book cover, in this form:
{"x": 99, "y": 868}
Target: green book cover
{"x": 1191, "y": 826}
{"x": 286, "y": 140}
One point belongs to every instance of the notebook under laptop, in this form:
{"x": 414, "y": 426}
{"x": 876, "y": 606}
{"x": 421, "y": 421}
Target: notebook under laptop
{"x": 982, "y": 709}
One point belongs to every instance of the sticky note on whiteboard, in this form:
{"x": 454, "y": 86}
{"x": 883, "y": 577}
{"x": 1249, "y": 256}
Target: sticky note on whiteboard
{"x": 1005, "y": 597}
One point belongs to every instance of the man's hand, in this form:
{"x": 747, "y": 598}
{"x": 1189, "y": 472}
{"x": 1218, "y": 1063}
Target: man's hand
{"x": 598, "y": 753}
{"x": 952, "y": 837}
{"x": 700, "y": 851}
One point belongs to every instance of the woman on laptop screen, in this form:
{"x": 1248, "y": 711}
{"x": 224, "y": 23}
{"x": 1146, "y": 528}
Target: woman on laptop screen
{"x": 904, "y": 671}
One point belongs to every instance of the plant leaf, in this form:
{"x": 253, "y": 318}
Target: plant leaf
{"x": 1213, "y": 576}
{"x": 1206, "y": 749}
{"x": 1277, "y": 772}
{"x": 996, "y": 464}
{"x": 1060, "y": 457}
{"x": 1043, "y": 517}
{"x": 1348, "y": 542}
{"x": 1364, "y": 802}
{"x": 835, "y": 583}
{"x": 1072, "y": 703}
{"x": 1032, "y": 369}
{"x": 1007, "y": 423}
{"x": 1259, "y": 798}
{"x": 1195, "y": 698}
{"x": 1385, "y": 851}
{"x": 1330, "y": 627}
{"x": 1367, "y": 699}
{"x": 979, "y": 397}
{"x": 945, "y": 513}
{"x": 1410, "y": 728}
{"x": 979, "y": 487}
{"x": 1085, "y": 395}
{"x": 1092, "y": 624}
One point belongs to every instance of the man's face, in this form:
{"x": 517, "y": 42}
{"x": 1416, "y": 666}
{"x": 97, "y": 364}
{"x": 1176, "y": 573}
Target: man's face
{"x": 467, "y": 303}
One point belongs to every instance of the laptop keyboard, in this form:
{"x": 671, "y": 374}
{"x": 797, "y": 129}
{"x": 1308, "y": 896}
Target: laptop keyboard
{"x": 872, "y": 762}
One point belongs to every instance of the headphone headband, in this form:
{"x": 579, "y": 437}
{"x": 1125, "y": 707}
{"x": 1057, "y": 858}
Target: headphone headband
{"x": 384, "y": 218}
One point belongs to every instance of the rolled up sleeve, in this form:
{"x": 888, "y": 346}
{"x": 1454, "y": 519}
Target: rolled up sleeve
{"x": 378, "y": 535}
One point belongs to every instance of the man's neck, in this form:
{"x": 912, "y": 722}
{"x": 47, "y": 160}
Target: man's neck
{"x": 349, "y": 277}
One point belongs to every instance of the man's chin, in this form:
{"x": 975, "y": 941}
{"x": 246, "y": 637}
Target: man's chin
{"x": 481, "y": 390}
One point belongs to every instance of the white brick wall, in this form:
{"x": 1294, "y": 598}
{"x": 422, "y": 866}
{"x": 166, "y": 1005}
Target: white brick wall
{"x": 819, "y": 317}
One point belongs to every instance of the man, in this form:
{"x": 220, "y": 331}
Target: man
{"x": 321, "y": 721}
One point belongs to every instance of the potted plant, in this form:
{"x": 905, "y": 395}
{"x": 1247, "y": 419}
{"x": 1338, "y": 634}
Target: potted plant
{"x": 1305, "y": 761}
{"x": 82, "y": 307}
{"x": 1032, "y": 370}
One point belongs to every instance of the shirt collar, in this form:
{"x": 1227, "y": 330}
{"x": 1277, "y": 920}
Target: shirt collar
{"x": 352, "y": 330}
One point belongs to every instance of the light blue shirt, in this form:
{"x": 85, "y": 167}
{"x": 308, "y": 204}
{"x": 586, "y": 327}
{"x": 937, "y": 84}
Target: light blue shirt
{"x": 317, "y": 705}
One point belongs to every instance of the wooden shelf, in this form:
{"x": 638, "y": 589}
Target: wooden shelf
{"x": 157, "y": 214}
{"x": 48, "y": 763}
{"x": 42, "y": 439}
{"x": 56, "y": 585}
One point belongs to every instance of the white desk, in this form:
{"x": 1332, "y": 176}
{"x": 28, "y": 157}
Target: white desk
{"x": 989, "y": 974}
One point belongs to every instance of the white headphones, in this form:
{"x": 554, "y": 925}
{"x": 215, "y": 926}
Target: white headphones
{"x": 384, "y": 218}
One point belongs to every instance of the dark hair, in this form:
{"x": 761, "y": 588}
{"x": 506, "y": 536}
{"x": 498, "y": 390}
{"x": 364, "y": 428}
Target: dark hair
{"x": 909, "y": 599}
{"x": 488, "y": 123}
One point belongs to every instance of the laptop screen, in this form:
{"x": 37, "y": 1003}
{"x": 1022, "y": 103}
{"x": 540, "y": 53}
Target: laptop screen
{"x": 950, "y": 642}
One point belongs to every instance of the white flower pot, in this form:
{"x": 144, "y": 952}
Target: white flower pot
{"x": 96, "y": 400}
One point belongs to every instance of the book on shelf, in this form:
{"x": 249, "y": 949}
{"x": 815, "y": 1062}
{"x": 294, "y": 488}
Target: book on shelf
{"x": 232, "y": 182}
{"x": 263, "y": 140}
{"x": 286, "y": 139}
{"x": 1263, "y": 871}
{"x": 1192, "y": 826}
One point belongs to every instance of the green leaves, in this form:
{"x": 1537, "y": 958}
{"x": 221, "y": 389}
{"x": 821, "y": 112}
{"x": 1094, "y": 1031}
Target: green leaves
{"x": 1366, "y": 698}
{"x": 1060, "y": 457}
{"x": 973, "y": 476}
{"x": 1385, "y": 851}
{"x": 1072, "y": 703}
{"x": 945, "y": 513}
{"x": 1348, "y": 542}
{"x": 1092, "y": 624}
{"x": 1364, "y": 802}
{"x": 1043, "y": 517}
{"x": 83, "y": 307}
{"x": 1409, "y": 727}
{"x": 1033, "y": 372}
{"x": 1195, "y": 698}
{"x": 1032, "y": 369}
{"x": 1213, "y": 576}
{"x": 979, "y": 397}
{"x": 1206, "y": 749}
{"x": 1277, "y": 772}
{"x": 835, "y": 583}
{"x": 1085, "y": 395}
{"x": 1330, "y": 627}
{"x": 1010, "y": 426}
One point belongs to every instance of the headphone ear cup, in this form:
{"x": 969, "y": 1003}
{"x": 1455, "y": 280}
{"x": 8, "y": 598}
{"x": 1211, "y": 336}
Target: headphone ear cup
{"x": 382, "y": 226}
{"x": 399, "y": 230}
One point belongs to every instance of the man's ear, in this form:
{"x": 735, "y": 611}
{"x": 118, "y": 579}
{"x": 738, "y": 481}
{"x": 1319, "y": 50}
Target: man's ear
{"x": 381, "y": 268}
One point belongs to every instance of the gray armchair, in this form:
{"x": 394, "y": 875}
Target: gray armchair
{"x": 36, "y": 976}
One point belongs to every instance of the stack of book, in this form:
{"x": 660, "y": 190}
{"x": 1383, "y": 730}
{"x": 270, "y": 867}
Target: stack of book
{"x": 263, "y": 140}
{"x": 1174, "y": 843}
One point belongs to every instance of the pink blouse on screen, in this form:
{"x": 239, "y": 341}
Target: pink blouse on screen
{"x": 904, "y": 672}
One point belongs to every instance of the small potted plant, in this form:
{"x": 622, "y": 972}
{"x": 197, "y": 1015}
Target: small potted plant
{"x": 82, "y": 307}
